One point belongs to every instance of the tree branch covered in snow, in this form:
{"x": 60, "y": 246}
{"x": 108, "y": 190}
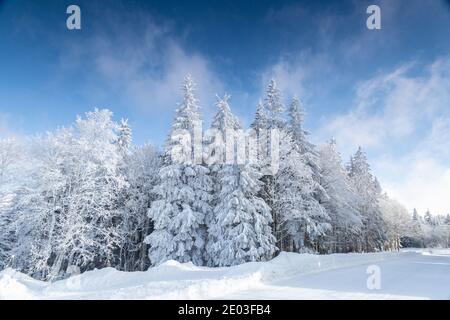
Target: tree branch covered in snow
{"x": 84, "y": 197}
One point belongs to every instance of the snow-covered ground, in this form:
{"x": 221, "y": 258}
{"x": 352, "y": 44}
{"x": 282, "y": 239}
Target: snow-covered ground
{"x": 410, "y": 274}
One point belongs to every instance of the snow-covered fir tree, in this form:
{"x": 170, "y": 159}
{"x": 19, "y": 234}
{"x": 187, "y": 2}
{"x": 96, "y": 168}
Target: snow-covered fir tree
{"x": 183, "y": 193}
{"x": 301, "y": 143}
{"x": 260, "y": 121}
{"x": 342, "y": 202}
{"x": 124, "y": 138}
{"x": 260, "y": 127}
{"x": 369, "y": 192}
{"x": 273, "y": 106}
{"x": 267, "y": 125}
{"x": 301, "y": 218}
{"x": 239, "y": 230}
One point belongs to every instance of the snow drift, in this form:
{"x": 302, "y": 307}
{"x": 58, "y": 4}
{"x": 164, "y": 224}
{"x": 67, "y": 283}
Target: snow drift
{"x": 173, "y": 280}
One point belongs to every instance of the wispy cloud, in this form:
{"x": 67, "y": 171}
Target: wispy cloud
{"x": 393, "y": 106}
{"x": 403, "y": 117}
{"x": 143, "y": 63}
{"x": 299, "y": 74}
{"x": 424, "y": 172}
{"x": 398, "y": 112}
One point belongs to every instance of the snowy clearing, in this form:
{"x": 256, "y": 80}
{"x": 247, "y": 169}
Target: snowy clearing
{"x": 410, "y": 274}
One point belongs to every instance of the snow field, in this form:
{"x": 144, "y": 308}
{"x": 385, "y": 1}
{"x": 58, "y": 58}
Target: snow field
{"x": 173, "y": 280}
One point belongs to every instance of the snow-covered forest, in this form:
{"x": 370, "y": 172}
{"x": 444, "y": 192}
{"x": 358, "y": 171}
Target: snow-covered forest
{"x": 84, "y": 196}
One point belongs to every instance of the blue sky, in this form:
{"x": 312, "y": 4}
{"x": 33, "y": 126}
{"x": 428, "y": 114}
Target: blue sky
{"x": 387, "y": 90}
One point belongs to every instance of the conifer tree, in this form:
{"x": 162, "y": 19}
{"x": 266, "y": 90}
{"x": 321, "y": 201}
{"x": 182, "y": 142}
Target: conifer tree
{"x": 183, "y": 193}
{"x": 239, "y": 230}
{"x": 369, "y": 191}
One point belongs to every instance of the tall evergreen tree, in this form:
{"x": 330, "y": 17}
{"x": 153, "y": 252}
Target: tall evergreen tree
{"x": 260, "y": 121}
{"x": 183, "y": 194}
{"x": 274, "y": 107}
{"x": 342, "y": 202}
{"x": 268, "y": 124}
{"x": 302, "y": 220}
{"x": 239, "y": 230}
{"x": 369, "y": 191}
{"x": 124, "y": 138}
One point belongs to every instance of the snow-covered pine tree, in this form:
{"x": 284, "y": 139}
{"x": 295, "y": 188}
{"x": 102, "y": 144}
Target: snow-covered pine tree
{"x": 183, "y": 193}
{"x": 342, "y": 202}
{"x": 239, "y": 230}
{"x": 268, "y": 120}
{"x": 260, "y": 128}
{"x": 305, "y": 147}
{"x": 302, "y": 220}
{"x": 260, "y": 121}
{"x": 369, "y": 191}
{"x": 275, "y": 124}
{"x": 274, "y": 107}
{"x": 124, "y": 138}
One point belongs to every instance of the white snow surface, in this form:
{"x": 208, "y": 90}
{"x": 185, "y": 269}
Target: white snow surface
{"x": 409, "y": 274}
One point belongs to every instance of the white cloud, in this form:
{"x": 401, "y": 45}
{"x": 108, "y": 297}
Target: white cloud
{"x": 403, "y": 117}
{"x": 290, "y": 75}
{"x": 425, "y": 187}
{"x": 424, "y": 172}
{"x": 144, "y": 64}
{"x": 393, "y": 106}
{"x": 155, "y": 91}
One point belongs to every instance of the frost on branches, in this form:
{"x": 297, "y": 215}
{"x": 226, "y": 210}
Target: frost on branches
{"x": 239, "y": 229}
{"x": 183, "y": 194}
{"x": 302, "y": 219}
{"x": 84, "y": 196}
